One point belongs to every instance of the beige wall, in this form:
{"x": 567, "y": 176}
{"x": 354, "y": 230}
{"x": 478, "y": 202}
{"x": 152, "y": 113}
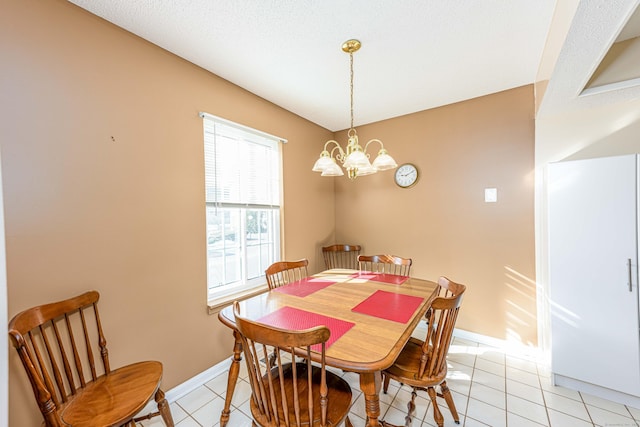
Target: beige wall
{"x": 442, "y": 222}
{"x": 4, "y": 341}
{"x": 102, "y": 162}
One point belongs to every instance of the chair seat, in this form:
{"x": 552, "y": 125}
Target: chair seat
{"x": 406, "y": 367}
{"x": 339, "y": 397}
{"x": 112, "y": 399}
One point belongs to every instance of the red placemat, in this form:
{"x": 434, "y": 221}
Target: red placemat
{"x": 304, "y": 287}
{"x": 394, "y": 279}
{"x": 390, "y": 306}
{"x": 296, "y": 319}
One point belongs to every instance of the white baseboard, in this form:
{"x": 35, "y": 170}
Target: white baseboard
{"x": 598, "y": 391}
{"x": 512, "y": 347}
{"x": 191, "y": 384}
{"x": 194, "y": 382}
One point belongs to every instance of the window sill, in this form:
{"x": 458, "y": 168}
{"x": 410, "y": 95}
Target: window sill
{"x": 215, "y": 305}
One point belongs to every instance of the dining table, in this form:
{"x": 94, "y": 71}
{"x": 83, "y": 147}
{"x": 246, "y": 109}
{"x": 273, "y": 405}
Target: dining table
{"x": 371, "y": 316}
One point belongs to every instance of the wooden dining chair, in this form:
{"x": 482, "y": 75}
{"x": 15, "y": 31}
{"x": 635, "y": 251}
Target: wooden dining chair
{"x": 284, "y": 272}
{"x": 64, "y": 352}
{"x": 291, "y": 394}
{"x": 389, "y": 264}
{"x": 422, "y": 365}
{"x": 341, "y": 256}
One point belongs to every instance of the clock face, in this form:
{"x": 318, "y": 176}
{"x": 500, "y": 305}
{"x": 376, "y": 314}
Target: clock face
{"x": 406, "y": 175}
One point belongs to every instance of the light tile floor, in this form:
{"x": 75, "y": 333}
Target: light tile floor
{"x": 491, "y": 387}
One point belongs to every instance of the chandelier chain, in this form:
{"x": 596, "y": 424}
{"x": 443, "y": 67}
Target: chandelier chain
{"x": 351, "y": 85}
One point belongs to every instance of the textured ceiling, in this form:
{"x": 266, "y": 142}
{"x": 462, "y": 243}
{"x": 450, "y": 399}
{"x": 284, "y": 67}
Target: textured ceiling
{"x": 591, "y": 40}
{"x": 621, "y": 65}
{"x": 415, "y": 55}
{"x": 631, "y": 28}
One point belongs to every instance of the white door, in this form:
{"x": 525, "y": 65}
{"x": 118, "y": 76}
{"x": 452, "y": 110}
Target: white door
{"x": 592, "y": 235}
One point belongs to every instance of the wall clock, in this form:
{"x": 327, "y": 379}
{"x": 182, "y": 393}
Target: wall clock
{"x": 406, "y": 175}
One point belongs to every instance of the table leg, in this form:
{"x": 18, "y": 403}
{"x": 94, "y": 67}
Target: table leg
{"x": 234, "y": 370}
{"x": 370, "y": 385}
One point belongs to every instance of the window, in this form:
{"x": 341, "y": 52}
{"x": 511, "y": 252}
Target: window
{"x": 242, "y": 193}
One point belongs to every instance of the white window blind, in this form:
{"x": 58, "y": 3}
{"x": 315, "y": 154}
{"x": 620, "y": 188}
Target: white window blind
{"x": 242, "y": 194}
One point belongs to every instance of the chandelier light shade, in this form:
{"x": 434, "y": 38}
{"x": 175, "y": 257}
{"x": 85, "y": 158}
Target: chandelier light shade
{"x": 353, "y": 158}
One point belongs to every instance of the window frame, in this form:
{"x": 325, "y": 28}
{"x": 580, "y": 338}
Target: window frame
{"x": 246, "y": 286}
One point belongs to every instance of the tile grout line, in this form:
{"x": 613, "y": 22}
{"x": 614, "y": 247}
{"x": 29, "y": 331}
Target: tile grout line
{"x": 544, "y": 399}
{"x": 473, "y": 372}
{"x": 506, "y": 394}
{"x": 586, "y": 407}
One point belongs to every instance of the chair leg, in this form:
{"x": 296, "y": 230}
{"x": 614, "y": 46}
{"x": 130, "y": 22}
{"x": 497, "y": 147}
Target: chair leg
{"x": 347, "y": 422}
{"x": 449, "y": 399}
{"x": 163, "y": 407}
{"x": 411, "y": 406}
{"x": 385, "y": 384}
{"x": 272, "y": 359}
{"x": 437, "y": 415}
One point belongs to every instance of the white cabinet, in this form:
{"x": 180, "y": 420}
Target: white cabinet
{"x": 593, "y": 264}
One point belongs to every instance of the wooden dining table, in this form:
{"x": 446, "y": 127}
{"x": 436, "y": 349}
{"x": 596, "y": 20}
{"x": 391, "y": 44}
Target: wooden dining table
{"x": 371, "y": 316}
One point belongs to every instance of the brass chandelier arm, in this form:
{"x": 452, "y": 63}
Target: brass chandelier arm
{"x": 331, "y": 141}
{"x": 340, "y": 156}
{"x": 373, "y": 140}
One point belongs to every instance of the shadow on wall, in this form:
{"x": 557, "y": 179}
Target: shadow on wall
{"x": 521, "y": 307}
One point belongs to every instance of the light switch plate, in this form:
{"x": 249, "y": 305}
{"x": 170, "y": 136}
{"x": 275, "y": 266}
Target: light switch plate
{"x": 490, "y": 195}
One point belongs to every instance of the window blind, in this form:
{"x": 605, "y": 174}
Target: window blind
{"x": 242, "y": 166}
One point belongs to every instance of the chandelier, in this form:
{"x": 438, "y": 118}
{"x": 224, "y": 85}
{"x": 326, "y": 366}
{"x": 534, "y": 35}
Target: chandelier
{"x": 353, "y": 158}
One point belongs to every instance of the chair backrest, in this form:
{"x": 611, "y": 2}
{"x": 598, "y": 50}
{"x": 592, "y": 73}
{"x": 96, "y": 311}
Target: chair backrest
{"x": 62, "y": 348}
{"x": 341, "y": 256}
{"x": 441, "y": 317}
{"x": 390, "y": 264}
{"x": 284, "y": 272}
{"x": 285, "y": 393}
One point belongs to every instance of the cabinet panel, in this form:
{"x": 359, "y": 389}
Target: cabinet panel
{"x": 592, "y": 235}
